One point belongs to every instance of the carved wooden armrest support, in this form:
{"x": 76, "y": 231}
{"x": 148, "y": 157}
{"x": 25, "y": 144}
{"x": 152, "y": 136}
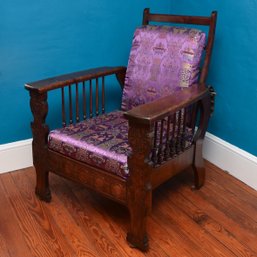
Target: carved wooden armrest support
{"x": 40, "y": 130}
{"x": 76, "y": 77}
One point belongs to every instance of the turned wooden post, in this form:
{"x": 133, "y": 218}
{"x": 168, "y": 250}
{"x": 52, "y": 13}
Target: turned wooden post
{"x": 39, "y": 108}
{"x": 139, "y": 188}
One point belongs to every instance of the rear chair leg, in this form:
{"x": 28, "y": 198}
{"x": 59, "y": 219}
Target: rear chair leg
{"x": 198, "y": 166}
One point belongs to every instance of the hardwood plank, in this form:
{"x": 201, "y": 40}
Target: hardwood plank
{"x": 4, "y": 251}
{"x": 40, "y": 234}
{"x": 69, "y": 227}
{"x": 205, "y": 243}
{"x": 12, "y": 242}
{"x": 224, "y": 218}
{"x": 172, "y": 242}
{"x": 213, "y": 227}
{"x": 112, "y": 217}
{"x": 86, "y": 218}
{"x": 217, "y": 220}
{"x": 224, "y": 176}
{"x": 244, "y": 194}
{"x": 232, "y": 210}
{"x": 117, "y": 217}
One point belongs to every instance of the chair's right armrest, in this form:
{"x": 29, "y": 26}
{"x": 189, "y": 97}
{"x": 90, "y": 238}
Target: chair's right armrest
{"x": 149, "y": 113}
{"x": 48, "y": 84}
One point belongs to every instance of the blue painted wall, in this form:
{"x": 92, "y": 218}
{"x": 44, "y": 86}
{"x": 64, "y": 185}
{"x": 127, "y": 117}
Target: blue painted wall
{"x": 43, "y": 38}
{"x": 233, "y": 69}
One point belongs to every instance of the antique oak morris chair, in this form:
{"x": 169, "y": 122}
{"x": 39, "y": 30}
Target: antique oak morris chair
{"x": 158, "y": 132}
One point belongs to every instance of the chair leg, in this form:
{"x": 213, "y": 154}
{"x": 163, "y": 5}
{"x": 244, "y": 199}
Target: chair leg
{"x": 137, "y": 236}
{"x": 139, "y": 210}
{"x": 42, "y": 185}
{"x": 198, "y": 166}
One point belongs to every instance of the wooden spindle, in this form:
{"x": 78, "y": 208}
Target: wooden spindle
{"x": 96, "y": 98}
{"x": 167, "y": 143}
{"x": 84, "y": 102}
{"x": 70, "y": 104}
{"x": 183, "y": 141}
{"x": 77, "y": 103}
{"x": 63, "y": 109}
{"x": 103, "y": 96}
{"x": 173, "y": 140}
{"x": 154, "y": 151}
{"x": 178, "y": 136}
{"x": 90, "y": 100}
{"x": 160, "y": 152}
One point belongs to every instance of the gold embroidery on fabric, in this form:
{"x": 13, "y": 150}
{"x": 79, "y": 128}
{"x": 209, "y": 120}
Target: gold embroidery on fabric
{"x": 185, "y": 74}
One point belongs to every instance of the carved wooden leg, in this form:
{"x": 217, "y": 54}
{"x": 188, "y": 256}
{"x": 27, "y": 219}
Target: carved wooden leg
{"x": 137, "y": 235}
{"x": 198, "y": 166}
{"x": 139, "y": 188}
{"x": 40, "y": 130}
{"x": 42, "y": 185}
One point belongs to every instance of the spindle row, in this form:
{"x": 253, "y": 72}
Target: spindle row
{"x": 172, "y": 135}
{"x": 89, "y": 100}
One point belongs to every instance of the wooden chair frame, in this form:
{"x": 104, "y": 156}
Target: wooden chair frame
{"x": 136, "y": 191}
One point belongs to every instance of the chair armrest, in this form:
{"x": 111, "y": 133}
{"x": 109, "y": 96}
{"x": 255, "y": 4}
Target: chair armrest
{"x": 156, "y": 110}
{"x": 45, "y": 85}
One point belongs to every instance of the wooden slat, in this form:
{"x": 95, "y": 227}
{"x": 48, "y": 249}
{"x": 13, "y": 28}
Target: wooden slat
{"x": 63, "y": 108}
{"x": 84, "y": 101}
{"x": 103, "y": 95}
{"x": 217, "y": 220}
{"x": 77, "y": 103}
{"x": 96, "y": 97}
{"x": 179, "y": 19}
{"x": 70, "y": 105}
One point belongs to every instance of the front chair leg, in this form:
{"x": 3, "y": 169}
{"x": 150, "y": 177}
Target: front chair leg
{"x": 140, "y": 205}
{"x": 198, "y": 166}
{"x": 42, "y": 185}
{"x": 137, "y": 236}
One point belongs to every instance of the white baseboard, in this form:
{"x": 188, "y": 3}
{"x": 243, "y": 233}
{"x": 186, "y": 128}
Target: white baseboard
{"x": 238, "y": 163}
{"x": 16, "y": 155}
{"x": 232, "y": 159}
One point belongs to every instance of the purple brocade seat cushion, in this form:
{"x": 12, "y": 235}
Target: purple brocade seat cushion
{"x": 101, "y": 142}
{"x": 162, "y": 60}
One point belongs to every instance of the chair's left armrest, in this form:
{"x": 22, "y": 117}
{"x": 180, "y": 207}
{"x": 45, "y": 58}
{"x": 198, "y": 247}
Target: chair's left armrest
{"x": 45, "y": 85}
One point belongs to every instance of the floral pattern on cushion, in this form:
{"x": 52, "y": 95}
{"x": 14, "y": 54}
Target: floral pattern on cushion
{"x": 101, "y": 142}
{"x": 162, "y": 60}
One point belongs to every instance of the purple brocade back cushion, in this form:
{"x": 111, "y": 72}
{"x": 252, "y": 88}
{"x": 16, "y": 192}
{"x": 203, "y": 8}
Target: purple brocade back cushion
{"x": 162, "y": 60}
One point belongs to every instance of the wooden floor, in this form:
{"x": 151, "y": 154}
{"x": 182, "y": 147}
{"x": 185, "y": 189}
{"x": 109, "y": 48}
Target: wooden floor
{"x": 218, "y": 220}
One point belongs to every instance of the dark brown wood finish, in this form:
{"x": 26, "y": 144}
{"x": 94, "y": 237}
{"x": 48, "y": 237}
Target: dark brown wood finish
{"x": 218, "y": 220}
{"x": 168, "y": 158}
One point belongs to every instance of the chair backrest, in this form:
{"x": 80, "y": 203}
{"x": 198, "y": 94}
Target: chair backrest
{"x": 164, "y": 59}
